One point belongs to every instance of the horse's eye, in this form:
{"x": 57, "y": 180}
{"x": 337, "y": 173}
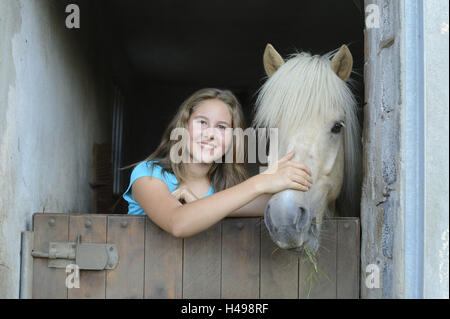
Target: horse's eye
{"x": 336, "y": 128}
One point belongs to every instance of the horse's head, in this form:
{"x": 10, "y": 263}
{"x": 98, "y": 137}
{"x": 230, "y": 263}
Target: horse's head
{"x": 307, "y": 99}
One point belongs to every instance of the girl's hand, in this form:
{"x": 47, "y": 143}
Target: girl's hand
{"x": 285, "y": 174}
{"x": 184, "y": 194}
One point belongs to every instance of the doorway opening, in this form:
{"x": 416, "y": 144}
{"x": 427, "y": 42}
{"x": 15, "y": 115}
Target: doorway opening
{"x": 159, "y": 53}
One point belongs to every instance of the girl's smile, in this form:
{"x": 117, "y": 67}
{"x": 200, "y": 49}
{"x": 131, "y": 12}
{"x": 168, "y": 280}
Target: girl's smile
{"x": 207, "y": 146}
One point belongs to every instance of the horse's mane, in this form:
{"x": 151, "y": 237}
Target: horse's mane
{"x": 304, "y": 88}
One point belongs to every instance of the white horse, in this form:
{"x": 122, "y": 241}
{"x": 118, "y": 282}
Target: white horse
{"x": 307, "y": 98}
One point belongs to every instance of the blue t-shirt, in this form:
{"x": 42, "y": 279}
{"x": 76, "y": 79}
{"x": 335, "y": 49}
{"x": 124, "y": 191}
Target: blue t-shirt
{"x": 144, "y": 169}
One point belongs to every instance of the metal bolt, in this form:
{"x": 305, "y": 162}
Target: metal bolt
{"x": 111, "y": 248}
{"x": 124, "y": 223}
{"x": 240, "y": 225}
{"x": 346, "y": 225}
{"x": 88, "y": 223}
{"x": 110, "y": 265}
{"x": 51, "y": 222}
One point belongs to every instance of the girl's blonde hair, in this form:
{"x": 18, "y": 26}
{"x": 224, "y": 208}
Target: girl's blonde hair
{"x": 222, "y": 175}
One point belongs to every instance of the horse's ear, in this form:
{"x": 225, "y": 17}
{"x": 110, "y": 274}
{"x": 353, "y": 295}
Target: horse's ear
{"x": 272, "y": 60}
{"x": 342, "y": 63}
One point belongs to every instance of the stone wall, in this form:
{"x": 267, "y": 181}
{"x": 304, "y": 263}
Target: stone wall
{"x": 53, "y": 107}
{"x": 380, "y": 201}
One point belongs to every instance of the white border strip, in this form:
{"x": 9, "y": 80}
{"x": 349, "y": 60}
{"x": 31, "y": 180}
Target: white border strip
{"x": 414, "y": 152}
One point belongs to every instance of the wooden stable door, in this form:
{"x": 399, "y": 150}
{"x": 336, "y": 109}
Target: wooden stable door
{"x": 233, "y": 259}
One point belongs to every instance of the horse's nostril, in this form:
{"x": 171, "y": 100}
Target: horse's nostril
{"x": 272, "y": 228}
{"x": 266, "y": 213}
{"x": 300, "y": 218}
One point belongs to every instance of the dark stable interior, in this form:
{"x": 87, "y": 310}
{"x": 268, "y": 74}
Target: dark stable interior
{"x": 160, "y": 52}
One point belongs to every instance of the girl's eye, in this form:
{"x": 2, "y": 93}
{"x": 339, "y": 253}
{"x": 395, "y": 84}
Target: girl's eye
{"x": 222, "y": 127}
{"x": 202, "y": 122}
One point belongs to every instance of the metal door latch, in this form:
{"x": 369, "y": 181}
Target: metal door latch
{"x": 88, "y": 256}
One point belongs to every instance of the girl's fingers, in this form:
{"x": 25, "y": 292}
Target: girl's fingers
{"x": 192, "y": 197}
{"x": 305, "y": 175}
{"x": 280, "y": 163}
{"x": 287, "y": 157}
{"x": 176, "y": 193}
{"x": 185, "y": 194}
{"x": 298, "y": 186}
{"x": 301, "y": 180}
{"x": 179, "y": 193}
{"x": 301, "y": 166}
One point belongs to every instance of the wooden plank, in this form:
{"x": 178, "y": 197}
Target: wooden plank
{"x": 127, "y": 280}
{"x": 92, "y": 229}
{"x": 320, "y": 287}
{"x": 279, "y": 269}
{"x": 48, "y": 283}
{"x": 202, "y": 264}
{"x": 348, "y": 258}
{"x": 163, "y": 263}
{"x": 240, "y": 258}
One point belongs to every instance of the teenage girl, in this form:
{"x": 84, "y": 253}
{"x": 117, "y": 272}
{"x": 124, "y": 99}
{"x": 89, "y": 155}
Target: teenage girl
{"x": 210, "y": 191}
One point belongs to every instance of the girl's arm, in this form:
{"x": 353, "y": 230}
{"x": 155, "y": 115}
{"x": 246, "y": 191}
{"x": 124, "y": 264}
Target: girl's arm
{"x": 189, "y": 219}
{"x": 255, "y": 208}
{"x": 186, "y": 220}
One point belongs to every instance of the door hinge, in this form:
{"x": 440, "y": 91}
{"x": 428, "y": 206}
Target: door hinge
{"x": 88, "y": 256}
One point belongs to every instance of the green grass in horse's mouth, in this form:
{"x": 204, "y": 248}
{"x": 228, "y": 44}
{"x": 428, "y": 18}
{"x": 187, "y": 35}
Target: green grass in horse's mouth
{"x": 315, "y": 271}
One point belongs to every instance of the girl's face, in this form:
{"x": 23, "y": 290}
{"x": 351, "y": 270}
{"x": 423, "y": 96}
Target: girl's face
{"x": 210, "y": 131}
